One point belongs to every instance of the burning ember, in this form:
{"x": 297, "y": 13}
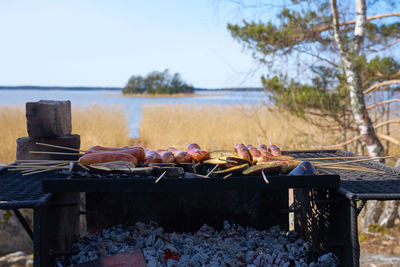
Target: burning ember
{"x": 233, "y": 246}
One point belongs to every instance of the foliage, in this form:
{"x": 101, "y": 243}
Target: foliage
{"x": 302, "y": 36}
{"x": 157, "y": 83}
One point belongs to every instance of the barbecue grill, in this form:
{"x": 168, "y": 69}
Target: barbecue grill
{"x": 325, "y": 211}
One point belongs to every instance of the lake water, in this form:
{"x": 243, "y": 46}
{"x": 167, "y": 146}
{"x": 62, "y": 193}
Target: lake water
{"x": 133, "y": 106}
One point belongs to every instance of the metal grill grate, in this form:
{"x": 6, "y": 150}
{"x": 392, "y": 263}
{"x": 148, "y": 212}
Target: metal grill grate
{"x": 17, "y": 191}
{"x": 360, "y": 185}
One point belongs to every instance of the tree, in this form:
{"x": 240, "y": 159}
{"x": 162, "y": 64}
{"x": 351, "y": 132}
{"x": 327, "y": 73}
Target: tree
{"x": 342, "y": 63}
{"x": 157, "y": 82}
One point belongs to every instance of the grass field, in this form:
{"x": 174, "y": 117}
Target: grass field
{"x": 177, "y": 125}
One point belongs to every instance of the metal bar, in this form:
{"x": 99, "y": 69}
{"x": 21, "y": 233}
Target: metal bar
{"x": 354, "y": 233}
{"x": 361, "y": 206}
{"x": 24, "y": 223}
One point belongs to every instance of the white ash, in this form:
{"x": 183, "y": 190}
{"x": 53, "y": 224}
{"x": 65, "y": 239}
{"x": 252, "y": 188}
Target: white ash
{"x": 233, "y": 246}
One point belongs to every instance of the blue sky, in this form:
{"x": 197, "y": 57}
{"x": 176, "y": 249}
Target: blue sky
{"x": 103, "y": 43}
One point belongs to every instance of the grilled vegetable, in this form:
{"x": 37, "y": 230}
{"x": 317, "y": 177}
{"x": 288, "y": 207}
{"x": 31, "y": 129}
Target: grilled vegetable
{"x": 222, "y": 153}
{"x": 273, "y": 167}
{"x": 235, "y": 161}
{"x": 215, "y": 161}
{"x": 236, "y": 169}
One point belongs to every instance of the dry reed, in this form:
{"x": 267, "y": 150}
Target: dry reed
{"x": 97, "y": 125}
{"x": 176, "y": 125}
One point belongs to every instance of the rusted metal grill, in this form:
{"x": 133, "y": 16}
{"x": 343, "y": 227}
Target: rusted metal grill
{"x": 326, "y": 215}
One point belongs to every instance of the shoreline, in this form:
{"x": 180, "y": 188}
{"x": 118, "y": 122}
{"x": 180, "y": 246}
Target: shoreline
{"x": 162, "y": 95}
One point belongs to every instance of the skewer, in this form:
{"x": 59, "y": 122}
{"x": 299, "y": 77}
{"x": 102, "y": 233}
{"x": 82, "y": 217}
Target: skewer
{"x": 83, "y": 167}
{"x": 212, "y": 170}
{"x": 269, "y": 140}
{"x": 62, "y": 147}
{"x": 264, "y": 177}
{"x": 258, "y": 140}
{"x": 244, "y": 143}
{"x": 226, "y": 176}
{"x": 358, "y": 157}
{"x": 34, "y": 172}
{"x": 33, "y": 166}
{"x": 55, "y": 153}
{"x": 161, "y": 176}
{"x": 42, "y": 160}
{"x": 213, "y": 143}
{"x": 350, "y": 169}
{"x": 358, "y": 160}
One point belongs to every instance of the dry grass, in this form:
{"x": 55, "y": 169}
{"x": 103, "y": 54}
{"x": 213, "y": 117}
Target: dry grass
{"x": 166, "y": 125}
{"x": 97, "y": 125}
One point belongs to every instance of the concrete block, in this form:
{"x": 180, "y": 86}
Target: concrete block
{"x": 26, "y": 144}
{"x": 48, "y": 118}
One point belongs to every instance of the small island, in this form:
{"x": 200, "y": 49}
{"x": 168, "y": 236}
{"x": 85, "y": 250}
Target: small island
{"x": 157, "y": 83}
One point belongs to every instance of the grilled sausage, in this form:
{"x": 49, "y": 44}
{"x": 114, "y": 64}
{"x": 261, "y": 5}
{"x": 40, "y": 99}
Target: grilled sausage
{"x": 255, "y": 154}
{"x": 137, "y": 152}
{"x": 101, "y": 157}
{"x": 166, "y": 156}
{"x": 264, "y": 151}
{"x": 196, "y": 153}
{"x": 180, "y": 156}
{"x": 151, "y": 157}
{"x": 275, "y": 151}
{"x": 243, "y": 152}
{"x": 95, "y": 149}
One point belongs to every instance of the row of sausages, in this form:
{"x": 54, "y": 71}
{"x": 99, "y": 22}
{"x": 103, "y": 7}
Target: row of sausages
{"x": 257, "y": 154}
{"x": 136, "y": 155}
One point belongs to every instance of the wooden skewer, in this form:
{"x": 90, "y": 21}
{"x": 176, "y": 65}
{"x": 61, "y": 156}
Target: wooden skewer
{"x": 62, "y": 147}
{"x": 53, "y": 168}
{"x": 42, "y": 160}
{"x": 83, "y": 167}
{"x": 350, "y": 169}
{"x": 161, "y": 176}
{"x": 226, "y": 176}
{"x": 41, "y": 163}
{"x": 358, "y": 160}
{"x": 212, "y": 170}
{"x": 55, "y": 153}
{"x": 269, "y": 140}
{"x": 264, "y": 177}
{"x": 34, "y": 172}
{"x": 258, "y": 140}
{"x": 33, "y": 166}
{"x": 358, "y": 157}
{"x": 213, "y": 143}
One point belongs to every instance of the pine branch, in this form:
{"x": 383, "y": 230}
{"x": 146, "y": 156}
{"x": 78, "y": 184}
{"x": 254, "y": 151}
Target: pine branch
{"x": 385, "y": 47}
{"x": 386, "y": 123}
{"x": 376, "y": 86}
{"x": 389, "y": 139}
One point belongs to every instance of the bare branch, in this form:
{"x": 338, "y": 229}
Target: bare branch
{"x": 389, "y": 139}
{"x": 335, "y": 16}
{"x": 385, "y": 47}
{"x": 384, "y": 103}
{"x": 381, "y": 16}
{"x": 376, "y": 86}
{"x": 386, "y": 123}
{"x": 344, "y": 143}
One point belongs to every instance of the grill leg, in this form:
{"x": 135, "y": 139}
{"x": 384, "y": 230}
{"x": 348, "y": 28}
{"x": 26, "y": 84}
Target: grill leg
{"x": 40, "y": 238}
{"x": 23, "y": 222}
{"x": 354, "y": 233}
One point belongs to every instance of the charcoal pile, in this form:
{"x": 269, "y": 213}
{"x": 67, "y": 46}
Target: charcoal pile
{"x": 232, "y": 246}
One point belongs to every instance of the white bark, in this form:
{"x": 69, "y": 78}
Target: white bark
{"x": 389, "y": 214}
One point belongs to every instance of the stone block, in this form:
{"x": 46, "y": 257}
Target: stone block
{"x": 27, "y": 144}
{"x": 48, "y": 118}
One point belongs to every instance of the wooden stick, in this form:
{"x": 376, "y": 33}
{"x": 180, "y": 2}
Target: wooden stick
{"x": 42, "y": 160}
{"x": 258, "y": 140}
{"x": 161, "y": 176}
{"x": 358, "y": 157}
{"x": 269, "y": 139}
{"x": 33, "y": 166}
{"x": 264, "y": 177}
{"x": 358, "y": 160}
{"x": 42, "y": 163}
{"x": 83, "y": 167}
{"x": 350, "y": 169}
{"x": 29, "y": 173}
{"x": 226, "y": 176}
{"x": 62, "y": 147}
{"x": 212, "y": 170}
{"x": 55, "y": 153}
{"x": 53, "y": 168}
{"x": 213, "y": 143}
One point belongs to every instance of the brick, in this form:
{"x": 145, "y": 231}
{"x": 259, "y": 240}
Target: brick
{"x": 48, "y": 118}
{"x": 127, "y": 259}
{"x": 26, "y": 144}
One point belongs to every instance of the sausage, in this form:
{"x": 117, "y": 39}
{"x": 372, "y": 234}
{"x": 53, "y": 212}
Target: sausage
{"x": 243, "y": 152}
{"x": 180, "y": 156}
{"x": 166, "y": 156}
{"x": 137, "y": 152}
{"x": 264, "y": 151}
{"x": 95, "y": 149}
{"x": 151, "y": 157}
{"x": 275, "y": 151}
{"x": 255, "y": 154}
{"x": 101, "y": 157}
{"x": 196, "y": 153}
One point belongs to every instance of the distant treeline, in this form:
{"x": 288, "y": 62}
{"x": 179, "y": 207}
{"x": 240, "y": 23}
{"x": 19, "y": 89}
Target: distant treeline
{"x": 158, "y": 82}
